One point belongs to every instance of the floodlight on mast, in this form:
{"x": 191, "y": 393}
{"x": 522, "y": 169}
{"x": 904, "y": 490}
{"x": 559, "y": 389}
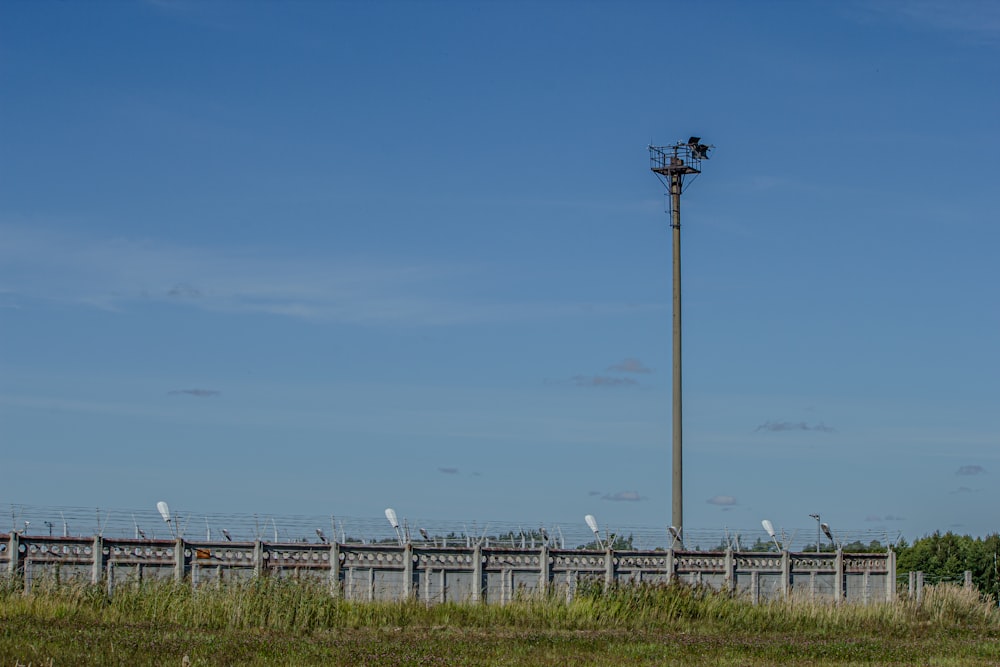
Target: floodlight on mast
{"x": 164, "y": 511}
{"x": 675, "y": 536}
{"x": 671, "y": 164}
{"x": 769, "y": 529}
{"x": 592, "y": 524}
{"x": 390, "y": 514}
{"x": 828, "y": 533}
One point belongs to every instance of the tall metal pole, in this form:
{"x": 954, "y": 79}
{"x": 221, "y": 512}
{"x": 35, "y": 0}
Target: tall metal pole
{"x": 671, "y": 164}
{"x": 677, "y": 517}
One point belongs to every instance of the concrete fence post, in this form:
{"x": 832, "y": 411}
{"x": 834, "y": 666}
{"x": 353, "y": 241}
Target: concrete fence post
{"x": 786, "y": 574}
{"x": 407, "y": 571}
{"x": 335, "y": 588}
{"x": 179, "y": 560}
{"x": 755, "y": 587}
{"x": 890, "y": 576}
{"x": 911, "y": 585}
{"x": 97, "y": 569}
{"x": 543, "y": 570}
{"x": 258, "y": 558}
{"x": 967, "y": 581}
{"x": 920, "y": 587}
{"x": 14, "y": 547}
{"x": 609, "y": 568}
{"x": 730, "y": 571}
{"x": 670, "y": 565}
{"x": 838, "y": 577}
{"x": 477, "y": 574}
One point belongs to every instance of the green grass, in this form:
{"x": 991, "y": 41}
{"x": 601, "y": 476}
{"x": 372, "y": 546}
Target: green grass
{"x": 270, "y": 621}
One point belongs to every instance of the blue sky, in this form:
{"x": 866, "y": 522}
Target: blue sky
{"x": 330, "y": 257}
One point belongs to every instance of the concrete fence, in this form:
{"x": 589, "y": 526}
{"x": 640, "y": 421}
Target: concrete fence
{"x": 437, "y": 574}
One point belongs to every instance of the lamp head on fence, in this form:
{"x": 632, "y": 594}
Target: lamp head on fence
{"x": 769, "y": 529}
{"x": 164, "y": 511}
{"x": 675, "y": 536}
{"x": 322, "y": 536}
{"x": 827, "y": 532}
{"x": 592, "y": 524}
{"x": 390, "y": 514}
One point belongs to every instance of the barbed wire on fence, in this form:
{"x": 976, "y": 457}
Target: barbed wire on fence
{"x": 116, "y": 522}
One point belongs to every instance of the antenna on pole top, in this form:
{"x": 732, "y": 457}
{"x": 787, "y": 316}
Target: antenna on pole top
{"x": 671, "y": 164}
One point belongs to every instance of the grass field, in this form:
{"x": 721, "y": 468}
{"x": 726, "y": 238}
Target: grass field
{"x": 292, "y": 623}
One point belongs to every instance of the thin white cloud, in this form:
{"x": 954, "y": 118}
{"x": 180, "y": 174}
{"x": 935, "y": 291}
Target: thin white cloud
{"x": 776, "y": 427}
{"x": 970, "y": 17}
{"x": 602, "y": 381}
{"x": 970, "y": 470}
{"x": 722, "y": 501}
{"x": 630, "y": 365}
{"x": 623, "y": 496}
{"x": 200, "y": 393}
{"x": 115, "y": 274}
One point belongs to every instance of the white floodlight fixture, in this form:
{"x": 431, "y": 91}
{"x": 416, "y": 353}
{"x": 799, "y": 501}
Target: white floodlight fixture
{"x": 390, "y": 514}
{"x": 675, "y": 536}
{"x": 423, "y": 534}
{"x": 225, "y": 534}
{"x": 164, "y": 511}
{"x": 321, "y": 536}
{"x": 828, "y": 532}
{"x": 769, "y": 528}
{"x": 543, "y": 533}
{"x": 592, "y": 524}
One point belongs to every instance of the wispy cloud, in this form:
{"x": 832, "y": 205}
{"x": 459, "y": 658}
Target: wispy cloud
{"x": 623, "y": 496}
{"x": 970, "y": 470}
{"x": 201, "y": 393}
{"x": 878, "y": 518}
{"x": 594, "y": 493}
{"x": 971, "y": 17}
{"x": 777, "y": 427}
{"x": 602, "y": 381}
{"x": 184, "y": 291}
{"x": 448, "y": 471}
{"x": 116, "y": 274}
{"x": 964, "y": 491}
{"x": 722, "y": 501}
{"x": 629, "y": 365}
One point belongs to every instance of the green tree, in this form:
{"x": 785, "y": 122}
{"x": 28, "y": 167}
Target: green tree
{"x": 947, "y": 557}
